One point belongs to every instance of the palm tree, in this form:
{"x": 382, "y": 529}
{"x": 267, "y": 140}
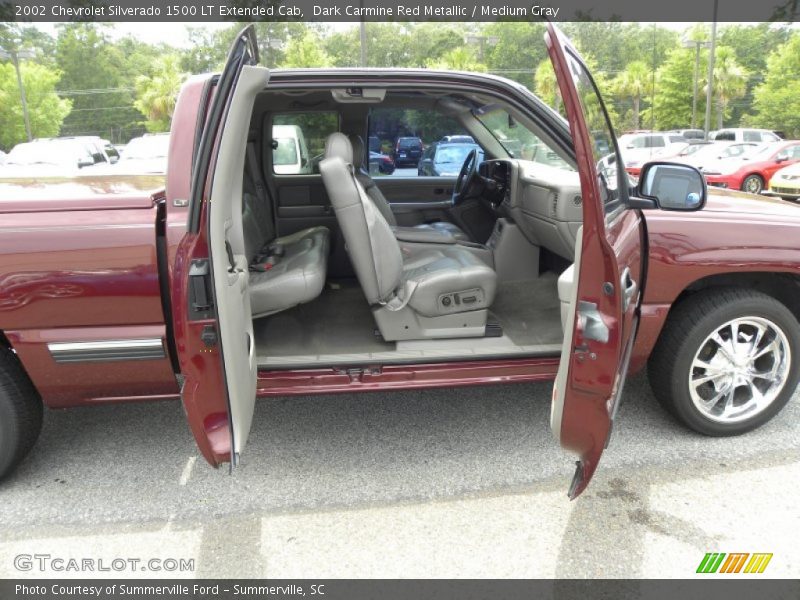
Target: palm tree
{"x": 730, "y": 80}
{"x": 156, "y": 94}
{"x": 634, "y": 82}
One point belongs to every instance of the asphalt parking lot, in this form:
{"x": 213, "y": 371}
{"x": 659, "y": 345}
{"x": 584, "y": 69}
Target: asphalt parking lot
{"x": 439, "y": 483}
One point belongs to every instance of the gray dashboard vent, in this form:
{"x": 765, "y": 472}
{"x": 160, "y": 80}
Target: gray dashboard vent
{"x": 577, "y": 200}
{"x": 554, "y": 205}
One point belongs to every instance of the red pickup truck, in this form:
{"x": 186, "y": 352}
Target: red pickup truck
{"x": 542, "y": 262}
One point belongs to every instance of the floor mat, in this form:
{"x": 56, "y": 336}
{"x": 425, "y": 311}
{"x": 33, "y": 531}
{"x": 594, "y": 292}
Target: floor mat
{"x": 529, "y": 311}
{"x": 339, "y": 320}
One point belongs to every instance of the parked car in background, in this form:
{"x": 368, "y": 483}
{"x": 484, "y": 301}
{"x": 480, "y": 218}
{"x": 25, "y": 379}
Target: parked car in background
{"x": 374, "y": 144}
{"x": 640, "y": 148}
{"x": 289, "y": 150}
{"x": 754, "y": 169}
{"x": 690, "y": 134}
{"x": 47, "y": 157}
{"x": 457, "y": 139}
{"x": 740, "y": 134}
{"x": 707, "y": 154}
{"x": 145, "y": 155}
{"x": 380, "y": 163}
{"x": 2, "y": 157}
{"x": 786, "y": 183}
{"x": 407, "y": 151}
{"x": 443, "y": 159}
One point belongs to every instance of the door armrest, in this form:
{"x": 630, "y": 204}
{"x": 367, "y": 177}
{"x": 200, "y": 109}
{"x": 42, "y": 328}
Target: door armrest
{"x": 422, "y": 235}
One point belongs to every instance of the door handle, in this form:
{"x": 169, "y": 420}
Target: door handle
{"x": 629, "y": 289}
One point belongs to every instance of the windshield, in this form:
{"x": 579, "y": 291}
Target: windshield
{"x": 47, "y": 153}
{"x": 147, "y": 147}
{"x": 518, "y": 140}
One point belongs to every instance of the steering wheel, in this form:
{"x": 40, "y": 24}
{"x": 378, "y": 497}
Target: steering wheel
{"x": 465, "y": 176}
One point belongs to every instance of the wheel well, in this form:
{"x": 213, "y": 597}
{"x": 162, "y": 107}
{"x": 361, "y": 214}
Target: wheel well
{"x": 784, "y": 287}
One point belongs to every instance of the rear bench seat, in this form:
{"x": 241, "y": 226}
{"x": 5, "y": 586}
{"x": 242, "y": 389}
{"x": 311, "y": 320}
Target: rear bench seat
{"x": 285, "y": 271}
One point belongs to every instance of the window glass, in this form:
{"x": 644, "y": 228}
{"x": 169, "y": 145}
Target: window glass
{"x": 298, "y": 140}
{"x": 751, "y": 136}
{"x": 727, "y": 136}
{"x": 408, "y": 138}
{"x": 594, "y": 112}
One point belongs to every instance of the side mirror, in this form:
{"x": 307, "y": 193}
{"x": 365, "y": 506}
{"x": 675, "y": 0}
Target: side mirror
{"x": 85, "y": 161}
{"x": 673, "y": 186}
{"x": 780, "y": 159}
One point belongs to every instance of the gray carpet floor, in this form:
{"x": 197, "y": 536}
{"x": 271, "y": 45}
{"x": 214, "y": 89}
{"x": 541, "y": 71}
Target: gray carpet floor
{"x": 339, "y": 320}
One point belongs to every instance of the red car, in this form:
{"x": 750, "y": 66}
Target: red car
{"x": 238, "y": 281}
{"x": 752, "y": 171}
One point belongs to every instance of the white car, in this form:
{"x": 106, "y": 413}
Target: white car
{"x": 46, "y": 158}
{"x": 640, "y": 148}
{"x": 145, "y": 155}
{"x": 289, "y": 150}
{"x": 786, "y": 183}
{"x": 703, "y": 156}
{"x": 740, "y": 134}
{"x": 2, "y": 157}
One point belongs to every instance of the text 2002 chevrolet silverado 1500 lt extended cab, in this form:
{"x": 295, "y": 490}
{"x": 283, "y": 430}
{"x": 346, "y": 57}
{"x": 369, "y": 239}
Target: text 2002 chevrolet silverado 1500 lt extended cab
{"x": 541, "y": 262}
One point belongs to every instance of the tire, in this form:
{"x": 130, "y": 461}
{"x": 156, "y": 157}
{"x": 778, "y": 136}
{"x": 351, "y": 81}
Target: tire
{"x": 20, "y": 413}
{"x": 686, "y": 340}
{"x": 753, "y": 184}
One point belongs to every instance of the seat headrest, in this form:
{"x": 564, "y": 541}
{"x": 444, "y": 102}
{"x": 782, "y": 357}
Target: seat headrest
{"x": 358, "y": 150}
{"x": 337, "y": 145}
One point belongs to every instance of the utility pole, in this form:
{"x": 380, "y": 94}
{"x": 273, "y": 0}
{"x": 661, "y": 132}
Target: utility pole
{"x": 696, "y": 44}
{"x": 363, "y": 34}
{"x": 710, "y": 85}
{"x": 482, "y": 41}
{"x": 15, "y": 55}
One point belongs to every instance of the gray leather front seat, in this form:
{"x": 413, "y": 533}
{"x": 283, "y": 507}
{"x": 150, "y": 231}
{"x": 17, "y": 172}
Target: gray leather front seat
{"x": 377, "y": 197}
{"x": 284, "y": 271}
{"x": 438, "y": 293}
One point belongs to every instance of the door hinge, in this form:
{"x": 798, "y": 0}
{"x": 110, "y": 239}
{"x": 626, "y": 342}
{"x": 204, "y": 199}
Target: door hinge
{"x": 209, "y": 336}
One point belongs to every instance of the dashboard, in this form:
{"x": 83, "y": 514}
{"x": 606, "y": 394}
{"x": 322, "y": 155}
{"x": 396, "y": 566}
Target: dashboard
{"x": 544, "y": 200}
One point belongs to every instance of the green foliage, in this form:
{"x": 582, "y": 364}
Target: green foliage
{"x": 730, "y": 81}
{"x": 672, "y": 106}
{"x": 96, "y": 78}
{"x": 457, "y": 59}
{"x": 546, "y": 86}
{"x": 306, "y": 51}
{"x": 156, "y": 94}
{"x": 634, "y": 83}
{"x": 45, "y": 109}
{"x": 777, "y": 100}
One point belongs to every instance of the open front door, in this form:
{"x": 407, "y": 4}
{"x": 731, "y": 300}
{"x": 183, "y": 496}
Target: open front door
{"x": 608, "y": 274}
{"x": 211, "y": 300}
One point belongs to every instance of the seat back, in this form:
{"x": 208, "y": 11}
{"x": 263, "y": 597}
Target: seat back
{"x": 257, "y": 219}
{"x": 371, "y": 244}
{"x": 370, "y": 187}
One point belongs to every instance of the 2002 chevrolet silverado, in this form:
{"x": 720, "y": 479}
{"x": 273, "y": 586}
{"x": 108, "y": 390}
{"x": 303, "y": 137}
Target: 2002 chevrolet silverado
{"x": 541, "y": 262}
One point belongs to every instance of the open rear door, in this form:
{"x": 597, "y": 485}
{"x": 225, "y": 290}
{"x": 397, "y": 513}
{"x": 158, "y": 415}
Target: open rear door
{"x": 211, "y": 301}
{"x": 608, "y": 274}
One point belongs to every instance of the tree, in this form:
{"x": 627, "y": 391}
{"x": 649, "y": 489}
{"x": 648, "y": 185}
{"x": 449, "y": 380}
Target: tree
{"x": 672, "y": 103}
{"x": 777, "y": 100}
{"x": 546, "y": 85}
{"x": 730, "y": 81}
{"x": 306, "y": 51}
{"x": 518, "y": 50}
{"x": 95, "y": 77}
{"x": 156, "y": 94}
{"x": 634, "y": 82}
{"x": 458, "y": 59}
{"x": 45, "y": 109}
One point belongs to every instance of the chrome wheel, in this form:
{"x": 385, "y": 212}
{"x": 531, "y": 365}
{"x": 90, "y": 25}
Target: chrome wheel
{"x": 739, "y": 369}
{"x": 753, "y": 184}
